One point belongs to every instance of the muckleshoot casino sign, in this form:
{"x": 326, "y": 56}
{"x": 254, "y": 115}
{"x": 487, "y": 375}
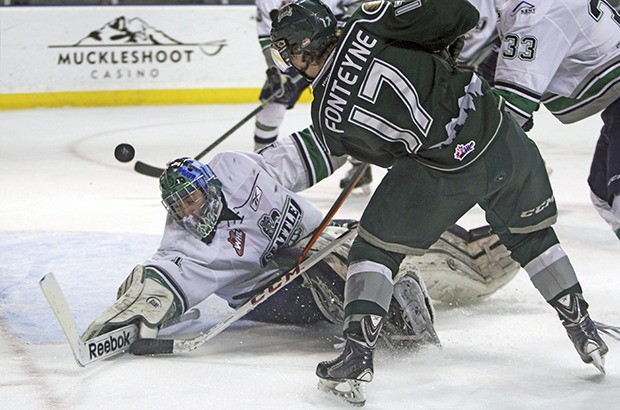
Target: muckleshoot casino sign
{"x": 129, "y": 47}
{"x": 105, "y": 55}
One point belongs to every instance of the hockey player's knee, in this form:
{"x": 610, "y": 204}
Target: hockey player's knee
{"x": 361, "y": 250}
{"x": 525, "y": 247}
{"x": 143, "y": 298}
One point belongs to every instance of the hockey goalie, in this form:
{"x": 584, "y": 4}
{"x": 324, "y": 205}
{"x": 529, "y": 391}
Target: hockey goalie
{"x": 237, "y": 223}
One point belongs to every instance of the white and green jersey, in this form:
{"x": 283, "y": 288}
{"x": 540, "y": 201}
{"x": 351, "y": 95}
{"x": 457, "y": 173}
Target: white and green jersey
{"x": 263, "y": 214}
{"x": 480, "y": 40}
{"x": 564, "y": 54}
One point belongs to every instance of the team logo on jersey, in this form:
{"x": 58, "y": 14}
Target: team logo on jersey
{"x": 257, "y": 194}
{"x": 462, "y": 150}
{"x": 524, "y": 8}
{"x": 282, "y": 227}
{"x": 236, "y": 237}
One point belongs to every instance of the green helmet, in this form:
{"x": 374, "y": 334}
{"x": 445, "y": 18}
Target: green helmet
{"x": 301, "y": 27}
{"x": 192, "y": 195}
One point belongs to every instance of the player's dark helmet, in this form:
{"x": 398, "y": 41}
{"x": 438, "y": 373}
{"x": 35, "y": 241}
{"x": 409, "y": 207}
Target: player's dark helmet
{"x": 192, "y": 195}
{"x": 301, "y": 27}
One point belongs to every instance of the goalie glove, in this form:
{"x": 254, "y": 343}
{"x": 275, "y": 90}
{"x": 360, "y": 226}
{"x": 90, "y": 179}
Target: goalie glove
{"x": 143, "y": 298}
{"x": 463, "y": 266}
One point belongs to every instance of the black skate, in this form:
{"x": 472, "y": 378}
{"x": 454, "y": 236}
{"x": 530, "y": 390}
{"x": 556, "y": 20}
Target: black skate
{"x": 363, "y": 185}
{"x": 410, "y": 319}
{"x": 346, "y": 375}
{"x": 572, "y": 310}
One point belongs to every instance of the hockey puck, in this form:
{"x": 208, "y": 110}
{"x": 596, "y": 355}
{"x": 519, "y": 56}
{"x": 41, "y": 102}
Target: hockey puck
{"x": 124, "y": 152}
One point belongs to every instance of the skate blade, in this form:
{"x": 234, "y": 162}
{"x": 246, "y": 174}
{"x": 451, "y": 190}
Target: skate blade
{"x": 598, "y": 361}
{"x": 351, "y": 391}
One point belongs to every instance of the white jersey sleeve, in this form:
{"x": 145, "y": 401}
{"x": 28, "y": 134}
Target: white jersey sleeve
{"x": 299, "y": 160}
{"x": 561, "y": 53}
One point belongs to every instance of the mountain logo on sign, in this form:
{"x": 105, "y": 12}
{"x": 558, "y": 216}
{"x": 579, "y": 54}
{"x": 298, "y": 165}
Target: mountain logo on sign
{"x": 123, "y": 32}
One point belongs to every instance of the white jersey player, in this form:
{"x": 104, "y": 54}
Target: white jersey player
{"x": 227, "y": 223}
{"x": 482, "y": 39}
{"x": 290, "y": 84}
{"x": 566, "y": 55}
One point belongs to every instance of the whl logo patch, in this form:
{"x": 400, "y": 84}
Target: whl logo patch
{"x": 462, "y": 150}
{"x": 236, "y": 238}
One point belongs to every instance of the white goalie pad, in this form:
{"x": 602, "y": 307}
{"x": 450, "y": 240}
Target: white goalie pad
{"x": 142, "y": 300}
{"x": 463, "y": 266}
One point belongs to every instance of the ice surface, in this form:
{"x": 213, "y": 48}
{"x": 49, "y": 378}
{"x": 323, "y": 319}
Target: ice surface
{"x": 70, "y": 208}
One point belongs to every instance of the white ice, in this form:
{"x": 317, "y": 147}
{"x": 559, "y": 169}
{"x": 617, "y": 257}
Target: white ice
{"x": 70, "y": 208}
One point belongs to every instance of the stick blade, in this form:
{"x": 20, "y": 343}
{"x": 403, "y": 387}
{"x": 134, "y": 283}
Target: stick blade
{"x": 148, "y": 170}
{"x": 144, "y": 347}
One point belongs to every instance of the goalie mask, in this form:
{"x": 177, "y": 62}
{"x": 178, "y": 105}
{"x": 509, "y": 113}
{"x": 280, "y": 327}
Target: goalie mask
{"x": 304, "y": 27}
{"x": 192, "y": 195}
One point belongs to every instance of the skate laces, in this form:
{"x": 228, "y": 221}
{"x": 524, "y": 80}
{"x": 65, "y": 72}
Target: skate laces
{"x": 608, "y": 330}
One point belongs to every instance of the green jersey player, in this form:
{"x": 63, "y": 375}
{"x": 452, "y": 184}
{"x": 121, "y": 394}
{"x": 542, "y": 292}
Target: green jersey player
{"x": 385, "y": 92}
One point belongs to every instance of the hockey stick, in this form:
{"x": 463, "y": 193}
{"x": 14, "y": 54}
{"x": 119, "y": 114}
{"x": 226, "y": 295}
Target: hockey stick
{"x": 103, "y": 346}
{"x": 167, "y": 346}
{"x": 152, "y": 171}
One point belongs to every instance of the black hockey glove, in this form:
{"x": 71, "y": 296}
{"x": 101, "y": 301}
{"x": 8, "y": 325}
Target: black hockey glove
{"x": 454, "y": 49}
{"x": 451, "y": 53}
{"x": 287, "y": 86}
{"x": 528, "y": 125}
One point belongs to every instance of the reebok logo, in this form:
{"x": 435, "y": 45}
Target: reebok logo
{"x": 112, "y": 343}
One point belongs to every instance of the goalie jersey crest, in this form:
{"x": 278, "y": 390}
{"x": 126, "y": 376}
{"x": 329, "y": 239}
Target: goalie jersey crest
{"x": 283, "y": 227}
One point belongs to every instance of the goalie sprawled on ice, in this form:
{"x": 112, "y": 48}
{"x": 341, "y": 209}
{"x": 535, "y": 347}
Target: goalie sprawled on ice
{"x": 235, "y": 224}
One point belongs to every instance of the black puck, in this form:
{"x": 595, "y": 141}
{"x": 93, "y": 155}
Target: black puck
{"x": 124, "y": 152}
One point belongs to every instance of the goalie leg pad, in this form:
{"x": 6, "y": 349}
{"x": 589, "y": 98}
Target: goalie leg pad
{"x": 327, "y": 289}
{"x": 463, "y": 266}
{"x": 411, "y": 317}
{"x": 142, "y": 298}
{"x": 326, "y": 279}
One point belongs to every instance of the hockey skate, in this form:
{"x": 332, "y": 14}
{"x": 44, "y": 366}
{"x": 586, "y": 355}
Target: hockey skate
{"x": 410, "y": 318}
{"x": 346, "y": 375}
{"x": 363, "y": 185}
{"x": 572, "y": 310}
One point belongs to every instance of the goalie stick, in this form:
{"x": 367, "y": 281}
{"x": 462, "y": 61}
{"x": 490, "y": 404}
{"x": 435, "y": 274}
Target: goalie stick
{"x": 106, "y": 345}
{"x": 153, "y": 171}
{"x": 167, "y": 346}
{"x": 103, "y": 346}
